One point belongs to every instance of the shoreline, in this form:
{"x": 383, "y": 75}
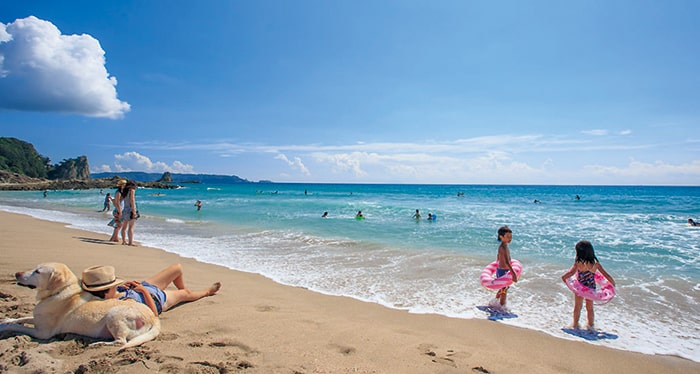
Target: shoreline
{"x": 259, "y": 326}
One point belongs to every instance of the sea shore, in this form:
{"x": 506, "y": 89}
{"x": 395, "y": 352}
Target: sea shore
{"x": 254, "y": 325}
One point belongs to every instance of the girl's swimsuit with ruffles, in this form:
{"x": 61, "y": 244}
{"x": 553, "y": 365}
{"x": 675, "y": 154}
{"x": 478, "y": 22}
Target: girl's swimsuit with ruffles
{"x": 587, "y": 278}
{"x": 157, "y": 295}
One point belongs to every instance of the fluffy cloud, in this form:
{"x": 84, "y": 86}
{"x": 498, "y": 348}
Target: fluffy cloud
{"x": 344, "y": 162}
{"x": 134, "y": 161}
{"x": 43, "y": 70}
{"x": 295, "y": 164}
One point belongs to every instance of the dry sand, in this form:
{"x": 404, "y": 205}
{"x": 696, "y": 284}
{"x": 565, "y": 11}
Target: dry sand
{"x": 254, "y": 325}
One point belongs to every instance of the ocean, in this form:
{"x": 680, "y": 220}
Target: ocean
{"x": 640, "y": 235}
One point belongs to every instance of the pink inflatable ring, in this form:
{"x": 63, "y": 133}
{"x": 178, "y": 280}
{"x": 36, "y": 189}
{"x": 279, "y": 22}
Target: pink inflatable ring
{"x": 488, "y": 275}
{"x": 603, "y": 292}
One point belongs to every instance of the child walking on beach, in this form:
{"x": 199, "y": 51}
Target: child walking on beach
{"x": 505, "y": 236}
{"x": 585, "y": 266}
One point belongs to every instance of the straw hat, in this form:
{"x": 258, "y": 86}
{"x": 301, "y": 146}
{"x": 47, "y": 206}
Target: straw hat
{"x": 121, "y": 182}
{"x": 98, "y": 278}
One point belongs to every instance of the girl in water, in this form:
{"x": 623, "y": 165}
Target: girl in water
{"x": 585, "y": 266}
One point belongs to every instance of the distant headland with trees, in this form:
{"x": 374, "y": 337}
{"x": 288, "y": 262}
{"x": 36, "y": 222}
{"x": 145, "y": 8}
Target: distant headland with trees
{"x": 23, "y": 168}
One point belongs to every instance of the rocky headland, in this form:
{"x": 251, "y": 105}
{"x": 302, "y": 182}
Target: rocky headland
{"x": 18, "y": 182}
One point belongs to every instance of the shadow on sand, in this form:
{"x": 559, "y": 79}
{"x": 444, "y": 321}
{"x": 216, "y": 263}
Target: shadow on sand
{"x": 95, "y": 241}
{"x": 496, "y": 314}
{"x": 589, "y": 334}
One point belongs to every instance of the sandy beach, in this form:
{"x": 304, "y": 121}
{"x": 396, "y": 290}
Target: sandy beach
{"x": 254, "y": 325}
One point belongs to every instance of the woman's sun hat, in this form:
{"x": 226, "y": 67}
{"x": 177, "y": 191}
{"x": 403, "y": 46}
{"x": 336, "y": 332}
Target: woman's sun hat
{"x": 98, "y": 278}
{"x": 121, "y": 182}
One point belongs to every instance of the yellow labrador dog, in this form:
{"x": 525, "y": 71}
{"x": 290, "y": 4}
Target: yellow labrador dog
{"x": 63, "y": 307}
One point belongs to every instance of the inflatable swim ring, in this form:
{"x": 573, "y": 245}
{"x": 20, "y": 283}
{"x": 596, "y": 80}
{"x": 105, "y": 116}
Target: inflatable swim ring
{"x": 603, "y": 292}
{"x": 488, "y": 275}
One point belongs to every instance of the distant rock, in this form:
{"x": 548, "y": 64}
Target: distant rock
{"x": 17, "y": 182}
{"x": 179, "y": 178}
{"x": 166, "y": 178}
{"x": 74, "y": 168}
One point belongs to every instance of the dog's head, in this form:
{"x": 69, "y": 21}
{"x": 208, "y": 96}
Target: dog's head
{"x": 47, "y": 278}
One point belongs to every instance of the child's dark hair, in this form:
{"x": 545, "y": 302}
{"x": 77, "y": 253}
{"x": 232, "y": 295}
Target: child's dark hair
{"x": 101, "y": 294}
{"x": 502, "y": 231}
{"x": 585, "y": 252}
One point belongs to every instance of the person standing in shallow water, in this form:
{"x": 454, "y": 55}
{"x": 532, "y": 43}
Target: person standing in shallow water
{"x": 585, "y": 266}
{"x": 417, "y": 215}
{"x": 107, "y": 202}
{"x": 198, "y": 204}
{"x": 505, "y": 236}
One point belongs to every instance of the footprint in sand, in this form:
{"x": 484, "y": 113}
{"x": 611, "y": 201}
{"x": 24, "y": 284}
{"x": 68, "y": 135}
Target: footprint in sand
{"x": 222, "y": 367}
{"x": 266, "y": 308}
{"x": 246, "y": 349}
{"x": 444, "y": 359}
{"x": 168, "y": 336}
{"x": 343, "y": 349}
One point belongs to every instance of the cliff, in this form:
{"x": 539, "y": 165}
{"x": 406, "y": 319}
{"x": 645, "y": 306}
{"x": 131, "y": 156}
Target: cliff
{"x": 75, "y": 168}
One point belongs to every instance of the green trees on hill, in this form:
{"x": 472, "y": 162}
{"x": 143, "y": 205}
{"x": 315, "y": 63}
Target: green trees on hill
{"x": 17, "y": 156}
{"x": 20, "y": 157}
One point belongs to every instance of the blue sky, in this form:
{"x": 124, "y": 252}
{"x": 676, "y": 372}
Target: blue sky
{"x": 496, "y": 92}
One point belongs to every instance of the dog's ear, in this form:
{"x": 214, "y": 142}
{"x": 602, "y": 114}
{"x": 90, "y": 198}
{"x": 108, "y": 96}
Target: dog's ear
{"x": 56, "y": 278}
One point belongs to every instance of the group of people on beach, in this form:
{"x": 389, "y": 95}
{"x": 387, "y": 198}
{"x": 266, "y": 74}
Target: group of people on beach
{"x": 102, "y": 282}
{"x": 125, "y": 211}
{"x": 585, "y": 266}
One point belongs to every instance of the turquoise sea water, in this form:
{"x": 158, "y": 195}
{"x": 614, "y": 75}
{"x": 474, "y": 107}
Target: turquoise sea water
{"x": 640, "y": 235}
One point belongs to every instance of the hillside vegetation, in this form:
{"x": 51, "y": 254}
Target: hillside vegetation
{"x": 17, "y": 156}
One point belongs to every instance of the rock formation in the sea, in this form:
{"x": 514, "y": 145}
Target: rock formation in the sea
{"x": 166, "y": 178}
{"x": 75, "y": 168}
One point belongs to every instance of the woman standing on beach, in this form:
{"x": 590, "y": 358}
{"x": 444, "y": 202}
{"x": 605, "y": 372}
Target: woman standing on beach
{"x": 118, "y": 208}
{"x": 130, "y": 212}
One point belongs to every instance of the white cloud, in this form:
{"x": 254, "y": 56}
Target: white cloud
{"x": 43, "y": 70}
{"x": 650, "y": 173}
{"x": 134, "y": 161}
{"x": 104, "y": 168}
{"x": 296, "y": 164}
{"x": 527, "y": 159}
{"x": 597, "y": 132}
{"x": 428, "y": 168}
{"x": 343, "y": 162}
